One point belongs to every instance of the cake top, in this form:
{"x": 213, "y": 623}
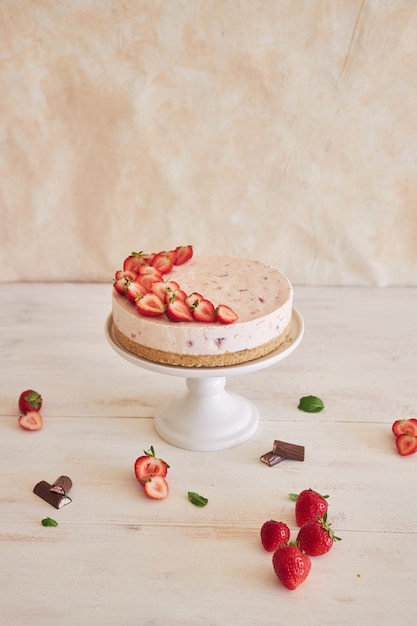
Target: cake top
{"x": 182, "y": 287}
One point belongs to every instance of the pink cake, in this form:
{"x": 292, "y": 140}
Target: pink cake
{"x": 260, "y": 296}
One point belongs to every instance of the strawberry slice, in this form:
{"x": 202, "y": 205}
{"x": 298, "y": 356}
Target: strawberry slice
{"x": 172, "y": 254}
{"x": 179, "y": 294}
{"x": 225, "y": 314}
{"x": 150, "y": 305}
{"x": 178, "y": 311}
{"x": 160, "y": 287}
{"x": 184, "y": 253}
{"x": 193, "y": 299}
{"x": 135, "y": 261}
{"x": 156, "y": 488}
{"x": 405, "y": 426}
{"x": 147, "y": 466}
{"x": 146, "y": 280}
{"x": 150, "y": 270}
{"x": 203, "y": 311}
{"x": 32, "y": 420}
{"x": 125, "y": 274}
{"x": 406, "y": 444}
{"x": 121, "y": 284}
{"x": 162, "y": 262}
{"x": 135, "y": 290}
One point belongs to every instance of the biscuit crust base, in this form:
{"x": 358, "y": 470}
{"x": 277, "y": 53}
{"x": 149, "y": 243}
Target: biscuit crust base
{"x": 202, "y": 360}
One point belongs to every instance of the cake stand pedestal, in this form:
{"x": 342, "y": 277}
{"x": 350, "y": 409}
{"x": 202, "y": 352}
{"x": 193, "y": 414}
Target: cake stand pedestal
{"x": 206, "y": 416}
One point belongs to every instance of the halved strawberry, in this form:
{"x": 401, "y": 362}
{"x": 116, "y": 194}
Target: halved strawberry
{"x": 184, "y": 253}
{"x": 125, "y": 274}
{"x": 193, "y": 299}
{"x": 405, "y": 426}
{"x": 135, "y": 290}
{"x": 150, "y": 305}
{"x": 156, "y": 488}
{"x": 225, "y": 314}
{"x": 146, "y": 280}
{"x": 162, "y": 262}
{"x": 179, "y": 294}
{"x": 178, "y": 311}
{"x": 406, "y": 444}
{"x": 32, "y": 420}
{"x": 160, "y": 287}
{"x": 147, "y": 466}
{"x": 150, "y": 270}
{"x": 204, "y": 311}
{"x": 172, "y": 254}
{"x": 134, "y": 261}
{"x": 121, "y": 284}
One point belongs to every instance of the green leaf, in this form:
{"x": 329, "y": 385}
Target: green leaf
{"x": 196, "y": 499}
{"x": 48, "y": 521}
{"x": 293, "y": 496}
{"x": 311, "y": 404}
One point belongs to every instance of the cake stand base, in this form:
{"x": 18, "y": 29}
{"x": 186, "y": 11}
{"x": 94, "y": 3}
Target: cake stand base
{"x": 206, "y": 416}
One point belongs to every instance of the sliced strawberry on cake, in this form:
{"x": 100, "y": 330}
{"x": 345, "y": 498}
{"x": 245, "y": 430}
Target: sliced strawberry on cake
{"x": 184, "y": 254}
{"x": 203, "y": 311}
{"x": 225, "y": 314}
{"x": 178, "y": 311}
{"x": 150, "y": 305}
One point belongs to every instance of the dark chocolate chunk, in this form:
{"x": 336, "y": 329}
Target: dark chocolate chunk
{"x": 289, "y": 450}
{"x": 43, "y": 490}
{"x": 62, "y": 485}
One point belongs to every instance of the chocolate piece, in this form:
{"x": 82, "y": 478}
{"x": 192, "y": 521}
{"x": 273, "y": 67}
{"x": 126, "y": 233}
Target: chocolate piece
{"x": 271, "y": 459}
{"x": 43, "y": 490}
{"x": 288, "y": 450}
{"x": 62, "y": 485}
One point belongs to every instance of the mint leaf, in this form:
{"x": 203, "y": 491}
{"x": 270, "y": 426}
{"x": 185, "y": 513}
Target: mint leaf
{"x": 196, "y": 499}
{"x": 311, "y": 404}
{"x": 48, "y": 521}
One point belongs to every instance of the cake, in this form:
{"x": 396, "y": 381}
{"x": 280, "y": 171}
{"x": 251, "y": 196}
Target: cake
{"x": 239, "y": 309}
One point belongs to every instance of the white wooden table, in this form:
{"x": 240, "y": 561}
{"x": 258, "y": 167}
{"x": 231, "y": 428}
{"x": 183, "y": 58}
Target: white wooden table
{"x": 120, "y": 559}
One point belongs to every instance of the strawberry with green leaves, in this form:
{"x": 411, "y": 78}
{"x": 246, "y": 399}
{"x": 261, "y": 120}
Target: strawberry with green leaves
{"x": 149, "y": 305}
{"x": 29, "y": 400}
{"x": 308, "y": 505}
{"x": 274, "y": 534}
{"x": 291, "y": 565}
{"x": 147, "y": 466}
{"x": 177, "y": 310}
{"x": 316, "y": 537}
{"x": 151, "y": 473}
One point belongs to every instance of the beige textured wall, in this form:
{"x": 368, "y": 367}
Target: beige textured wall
{"x": 283, "y": 130}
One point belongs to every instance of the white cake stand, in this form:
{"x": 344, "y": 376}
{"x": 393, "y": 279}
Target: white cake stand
{"x": 206, "y": 416}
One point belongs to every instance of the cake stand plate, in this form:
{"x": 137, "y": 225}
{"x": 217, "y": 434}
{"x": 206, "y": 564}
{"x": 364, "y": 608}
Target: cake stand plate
{"x": 206, "y": 416}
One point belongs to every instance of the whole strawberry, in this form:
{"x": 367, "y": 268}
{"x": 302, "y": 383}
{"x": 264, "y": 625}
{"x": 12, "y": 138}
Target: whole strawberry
{"x": 29, "y": 400}
{"x": 291, "y": 565}
{"x": 308, "y": 505}
{"x": 274, "y": 534}
{"x": 316, "y": 537}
